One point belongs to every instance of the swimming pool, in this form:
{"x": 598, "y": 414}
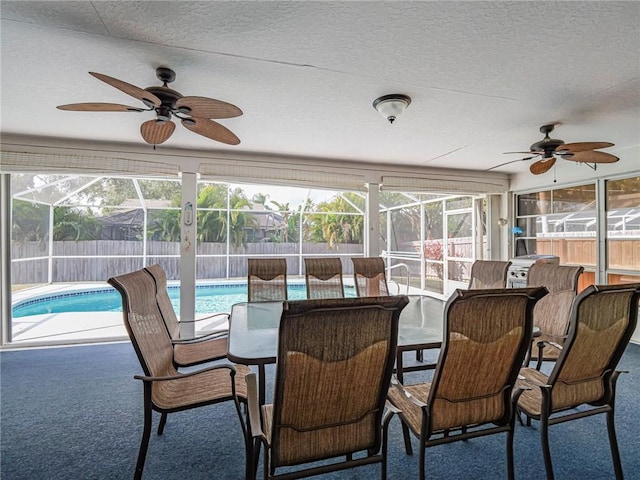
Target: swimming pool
{"x": 209, "y": 298}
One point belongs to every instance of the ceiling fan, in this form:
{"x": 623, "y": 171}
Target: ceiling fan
{"x": 548, "y": 149}
{"x": 195, "y": 113}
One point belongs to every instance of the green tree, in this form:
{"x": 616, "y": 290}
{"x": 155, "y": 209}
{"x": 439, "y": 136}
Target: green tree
{"x": 73, "y": 224}
{"x": 213, "y": 201}
{"x": 335, "y": 222}
{"x": 285, "y": 210}
{"x": 30, "y": 221}
{"x": 261, "y": 199}
{"x": 164, "y": 225}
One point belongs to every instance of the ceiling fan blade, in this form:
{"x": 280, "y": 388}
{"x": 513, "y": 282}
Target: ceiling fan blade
{"x": 211, "y": 129}
{"x": 542, "y": 166}
{"x": 535, "y": 152}
{"x": 591, "y": 156}
{"x": 581, "y": 147}
{"x": 512, "y": 161}
{"x": 155, "y": 132}
{"x": 99, "y": 107}
{"x": 203, "y": 107}
{"x": 148, "y": 98}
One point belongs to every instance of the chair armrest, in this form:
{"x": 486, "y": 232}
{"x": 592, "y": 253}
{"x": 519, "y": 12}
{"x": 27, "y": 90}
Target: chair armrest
{"x": 202, "y": 338}
{"x": 542, "y": 343}
{"x": 531, "y": 381}
{"x": 520, "y": 387}
{"x": 390, "y": 411}
{"x": 554, "y": 340}
{"x": 146, "y": 378}
{"x": 253, "y": 406}
{"x": 213, "y": 315}
{"x": 398, "y": 386}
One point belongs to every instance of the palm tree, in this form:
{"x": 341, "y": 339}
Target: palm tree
{"x": 338, "y": 224}
{"x": 285, "y": 211}
{"x": 213, "y": 224}
{"x": 164, "y": 226}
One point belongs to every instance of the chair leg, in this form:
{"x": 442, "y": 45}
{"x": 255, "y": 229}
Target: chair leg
{"x": 510, "y": 435}
{"x": 385, "y": 439}
{"x": 546, "y": 452}
{"x": 407, "y": 438}
{"x": 422, "y": 467}
{"x": 163, "y": 422}
{"x": 256, "y": 459}
{"x": 615, "y": 453}
{"x": 146, "y": 435}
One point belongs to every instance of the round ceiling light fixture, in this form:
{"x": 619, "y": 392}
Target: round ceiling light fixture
{"x": 390, "y": 106}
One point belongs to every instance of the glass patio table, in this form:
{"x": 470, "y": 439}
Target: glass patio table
{"x": 253, "y": 333}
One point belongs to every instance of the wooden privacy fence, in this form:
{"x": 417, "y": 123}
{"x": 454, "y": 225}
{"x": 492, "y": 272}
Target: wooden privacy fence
{"x": 89, "y": 261}
{"x": 623, "y": 253}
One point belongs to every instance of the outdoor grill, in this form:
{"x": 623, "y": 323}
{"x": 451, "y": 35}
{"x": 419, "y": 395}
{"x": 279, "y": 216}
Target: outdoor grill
{"x": 519, "y": 268}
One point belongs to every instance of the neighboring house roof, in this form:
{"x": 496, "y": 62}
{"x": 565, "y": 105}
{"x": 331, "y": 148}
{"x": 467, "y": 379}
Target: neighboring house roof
{"x": 127, "y": 217}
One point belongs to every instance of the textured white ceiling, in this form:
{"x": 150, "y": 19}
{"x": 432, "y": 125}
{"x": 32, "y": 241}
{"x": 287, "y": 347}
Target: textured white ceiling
{"x": 483, "y": 76}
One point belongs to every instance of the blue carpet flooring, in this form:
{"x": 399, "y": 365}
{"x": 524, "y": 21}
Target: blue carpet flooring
{"x": 76, "y": 413}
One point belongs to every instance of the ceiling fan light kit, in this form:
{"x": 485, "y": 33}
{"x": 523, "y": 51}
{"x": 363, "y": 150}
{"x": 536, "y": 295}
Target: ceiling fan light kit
{"x": 390, "y": 106}
{"x": 549, "y": 149}
{"x": 195, "y": 113}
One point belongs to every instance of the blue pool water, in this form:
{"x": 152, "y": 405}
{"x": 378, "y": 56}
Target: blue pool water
{"x": 209, "y": 298}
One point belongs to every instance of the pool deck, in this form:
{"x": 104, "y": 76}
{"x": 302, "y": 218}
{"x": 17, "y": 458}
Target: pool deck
{"x": 73, "y": 327}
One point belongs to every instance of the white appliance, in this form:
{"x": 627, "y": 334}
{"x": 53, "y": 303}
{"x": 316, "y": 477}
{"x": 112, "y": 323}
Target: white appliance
{"x": 519, "y": 268}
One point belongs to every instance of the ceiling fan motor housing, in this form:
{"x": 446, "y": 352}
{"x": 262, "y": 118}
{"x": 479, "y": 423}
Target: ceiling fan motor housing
{"x": 168, "y": 97}
{"x": 547, "y": 145}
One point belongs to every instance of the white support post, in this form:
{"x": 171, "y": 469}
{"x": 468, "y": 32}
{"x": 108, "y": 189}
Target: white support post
{"x": 5, "y": 257}
{"x": 372, "y": 221}
{"x": 189, "y": 228}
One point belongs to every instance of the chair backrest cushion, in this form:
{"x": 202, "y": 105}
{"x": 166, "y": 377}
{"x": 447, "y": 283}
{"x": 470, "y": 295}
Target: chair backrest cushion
{"x": 267, "y": 279}
{"x": 556, "y": 278}
{"x": 489, "y": 274}
{"x": 163, "y": 300}
{"x": 334, "y": 364}
{"x": 369, "y": 277}
{"x": 144, "y": 322}
{"x": 602, "y": 322}
{"x": 487, "y": 335}
{"x": 323, "y": 277}
{"x": 552, "y": 312}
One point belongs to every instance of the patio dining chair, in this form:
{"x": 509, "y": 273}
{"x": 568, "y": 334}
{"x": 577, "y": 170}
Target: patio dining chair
{"x": 552, "y": 313}
{"x": 489, "y": 274}
{"x": 369, "y": 276}
{"x": 487, "y": 335}
{"x": 334, "y": 363}
{"x": 165, "y": 389}
{"x": 323, "y": 277}
{"x": 187, "y": 352}
{"x": 583, "y": 380}
{"x": 267, "y": 279}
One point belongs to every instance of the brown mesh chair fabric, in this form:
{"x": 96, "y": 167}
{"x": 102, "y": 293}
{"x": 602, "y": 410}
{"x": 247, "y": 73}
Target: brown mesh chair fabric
{"x": 267, "y": 279}
{"x": 323, "y": 277}
{"x": 488, "y": 274}
{"x": 165, "y": 389}
{"x": 334, "y": 364}
{"x": 487, "y": 335}
{"x": 602, "y": 322}
{"x": 369, "y": 277}
{"x": 190, "y": 352}
{"x": 552, "y": 313}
